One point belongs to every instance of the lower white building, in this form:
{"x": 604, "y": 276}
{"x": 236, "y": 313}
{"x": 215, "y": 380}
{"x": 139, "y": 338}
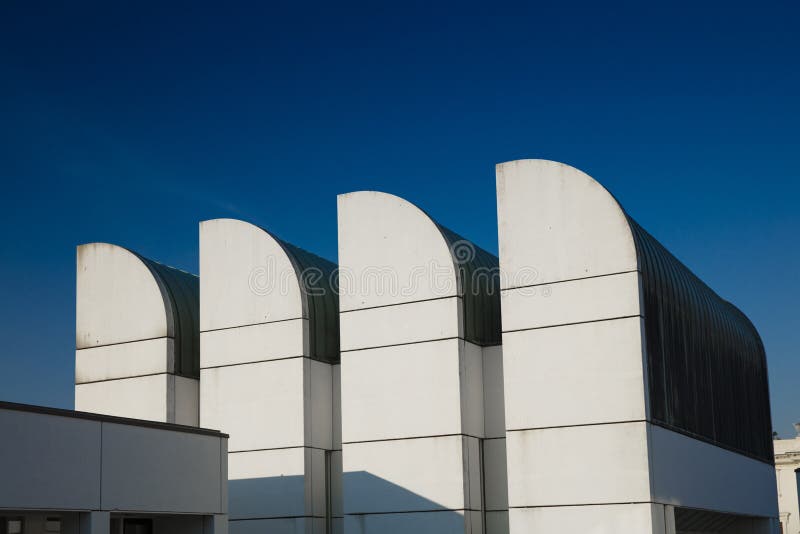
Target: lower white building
{"x": 72, "y": 472}
{"x": 787, "y": 467}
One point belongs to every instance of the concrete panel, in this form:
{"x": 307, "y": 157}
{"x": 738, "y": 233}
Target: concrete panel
{"x": 493, "y": 393}
{"x": 145, "y": 469}
{"x": 149, "y": 357}
{"x": 95, "y": 523}
{"x": 571, "y": 375}
{"x": 49, "y": 462}
{"x": 403, "y": 391}
{"x": 117, "y": 298}
{"x": 316, "y": 492}
{"x": 186, "y": 395}
{"x": 267, "y": 483}
{"x": 576, "y": 301}
{"x": 551, "y": 467}
{"x": 292, "y": 525}
{"x": 246, "y": 277}
{"x": 144, "y": 397}
{"x": 336, "y": 376}
{"x": 404, "y": 475}
{"x": 497, "y": 523}
{"x": 604, "y": 519}
{"x": 446, "y": 522}
{"x": 261, "y": 405}
{"x": 694, "y": 474}
{"x": 495, "y": 474}
{"x": 248, "y": 344}
{"x": 473, "y": 467}
{"x": 557, "y": 223}
{"x": 337, "y": 500}
{"x": 318, "y": 387}
{"x": 402, "y": 323}
{"x": 393, "y": 253}
{"x": 472, "y": 392}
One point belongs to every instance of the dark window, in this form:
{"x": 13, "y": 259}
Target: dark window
{"x": 137, "y": 526}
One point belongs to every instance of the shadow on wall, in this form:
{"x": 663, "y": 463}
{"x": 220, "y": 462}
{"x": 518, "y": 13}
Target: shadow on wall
{"x": 278, "y": 504}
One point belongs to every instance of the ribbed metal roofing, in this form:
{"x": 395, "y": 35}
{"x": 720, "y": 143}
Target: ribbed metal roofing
{"x": 479, "y": 287}
{"x": 707, "y": 368}
{"x": 181, "y": 293}
{"x": 318, "y": 279}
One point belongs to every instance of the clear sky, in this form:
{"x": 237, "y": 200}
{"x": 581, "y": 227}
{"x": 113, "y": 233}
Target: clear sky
{"x": 129, "y": 122}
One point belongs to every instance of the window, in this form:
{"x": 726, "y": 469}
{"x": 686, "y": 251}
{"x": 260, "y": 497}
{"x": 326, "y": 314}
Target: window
{"x": 137, "y": 526}
{"x": 14, "y": 526}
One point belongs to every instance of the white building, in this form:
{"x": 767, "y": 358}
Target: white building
{"x": 71, "y": 472}
{"x": 636, "y": 398}
{"x": 422, "y": 394}
{"x": 787, "y": 470}
{"x": 269, "y": 332}
{"x": 137, "y": 342}
{"x": 615, "y": 393}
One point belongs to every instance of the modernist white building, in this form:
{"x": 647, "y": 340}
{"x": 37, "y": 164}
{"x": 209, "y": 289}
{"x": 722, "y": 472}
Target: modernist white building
{"x": 636, "y": 398}
{"x": 137, "y": 342}
{"x": 584, "y": 382}
{"x": 787, "y": 471}
{"x": 80, "y": 473}
{"x": 270, "y": 377}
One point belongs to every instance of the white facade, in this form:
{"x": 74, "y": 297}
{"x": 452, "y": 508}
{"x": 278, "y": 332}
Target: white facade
{"x": 421, "y": 401}
{"x": 264, "y": 381}
{"x": 133, "y": 337}
{"x": 584, "y": 454}
{"x": 605, "y": 400}
{"x": 787, "y": 467}
{"x": 79, "y": 473}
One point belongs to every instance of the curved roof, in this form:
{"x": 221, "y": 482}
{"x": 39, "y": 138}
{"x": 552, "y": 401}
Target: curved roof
{"x": 123, "y": 297}
{"x": 479, "y": 285}
{"x": 250, "y": 276}
{"x": 318, "y": 278}
{"x": 706, "y": 365}
{"x": 181, "y": 293}
{"x": 392, "y": 252}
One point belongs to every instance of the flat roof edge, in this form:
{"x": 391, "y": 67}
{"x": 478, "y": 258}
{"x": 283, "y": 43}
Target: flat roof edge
{"x": 102, "y": 418}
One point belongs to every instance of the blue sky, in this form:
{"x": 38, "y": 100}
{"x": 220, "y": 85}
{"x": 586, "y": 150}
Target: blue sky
{"x": 129, "y": 122}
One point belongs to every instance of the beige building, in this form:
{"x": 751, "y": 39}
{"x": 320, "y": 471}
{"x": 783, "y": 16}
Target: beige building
{"x": 787, "y": 466}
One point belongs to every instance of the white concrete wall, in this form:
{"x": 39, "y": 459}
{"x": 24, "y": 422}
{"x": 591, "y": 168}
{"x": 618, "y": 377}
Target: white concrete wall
{"x": 787, "y": 460}
{"x": 259, "y": 384}
{"x": 413, "y": 395}
{"x": 582, "y": 456}
{"x": 694, "y": 474}
{"x": 125, "y": 341}
{"x": 572, "y": 350}
{"x": 58, "y": 462}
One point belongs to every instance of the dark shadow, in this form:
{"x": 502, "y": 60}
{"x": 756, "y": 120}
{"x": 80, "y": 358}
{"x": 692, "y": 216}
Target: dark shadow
{"x": 367, "y": 505}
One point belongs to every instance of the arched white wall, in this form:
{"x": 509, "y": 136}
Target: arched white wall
{"x": 560, "y": 222}
{"x": 576, "y": 374}
{"x": 385, "y": 238}
{"x": 246, "y": 277}
{"x": 260, "y": 384}
{"x": 125, "y": 358}
{"x": 118, "y": 299}
{"x": 412, "y": 386}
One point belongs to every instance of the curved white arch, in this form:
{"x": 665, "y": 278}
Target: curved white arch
{"x": 246, "y": 277}
{"x": 118, "y": 299}
{"x": 390, "y": 252}
{"x": 557, "y": 223}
